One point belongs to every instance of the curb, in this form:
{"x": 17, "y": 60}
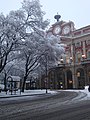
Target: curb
{"x": 11, "y": 96}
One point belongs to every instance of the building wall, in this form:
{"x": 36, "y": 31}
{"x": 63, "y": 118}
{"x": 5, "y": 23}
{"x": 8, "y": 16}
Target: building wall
{"x": 76, "y": 62}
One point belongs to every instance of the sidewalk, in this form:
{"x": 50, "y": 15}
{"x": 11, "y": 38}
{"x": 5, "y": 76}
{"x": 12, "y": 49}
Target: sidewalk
{"x": 26, "y": 93}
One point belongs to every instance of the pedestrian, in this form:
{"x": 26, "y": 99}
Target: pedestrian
{"x": 89, "y": 88}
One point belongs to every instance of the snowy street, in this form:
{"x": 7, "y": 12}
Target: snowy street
{"x": 44, "y": 60}
{"x": 57, "y": 105}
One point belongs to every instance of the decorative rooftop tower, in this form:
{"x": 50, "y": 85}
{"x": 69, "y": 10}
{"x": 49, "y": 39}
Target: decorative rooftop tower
{"x": 57, "y": 17}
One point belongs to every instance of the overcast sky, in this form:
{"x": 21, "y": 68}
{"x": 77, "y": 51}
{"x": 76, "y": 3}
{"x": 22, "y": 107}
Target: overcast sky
{"x": 77, "y": 11}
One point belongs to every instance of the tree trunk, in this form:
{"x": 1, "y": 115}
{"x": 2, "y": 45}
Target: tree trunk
{"x": 24, "y": 81}
{"x": 5, "y": 82}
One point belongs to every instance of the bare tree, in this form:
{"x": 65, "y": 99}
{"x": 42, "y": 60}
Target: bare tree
{"x": 14, "y": 27}
{"x": 10, "y": 37}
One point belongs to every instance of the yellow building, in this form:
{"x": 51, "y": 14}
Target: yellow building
{"x": 73, "y": 71}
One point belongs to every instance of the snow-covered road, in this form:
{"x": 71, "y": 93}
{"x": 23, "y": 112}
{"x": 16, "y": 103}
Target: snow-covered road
{"x": 46, "y": 106}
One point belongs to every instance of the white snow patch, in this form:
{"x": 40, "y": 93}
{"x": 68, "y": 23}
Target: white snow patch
{"x": 82, "y": 94}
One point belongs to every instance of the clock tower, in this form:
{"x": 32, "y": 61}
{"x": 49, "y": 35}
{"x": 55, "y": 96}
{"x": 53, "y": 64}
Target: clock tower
{"x": 61, "y": 27}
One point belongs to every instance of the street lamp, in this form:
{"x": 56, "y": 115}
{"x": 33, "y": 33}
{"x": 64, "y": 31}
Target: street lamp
{"x": 71, "y": 60}
{"x": 61, "y": 60}
{"x": 78, "y": 74}
{"x": 83, "y": 56}
{"x": 46, "y": 72}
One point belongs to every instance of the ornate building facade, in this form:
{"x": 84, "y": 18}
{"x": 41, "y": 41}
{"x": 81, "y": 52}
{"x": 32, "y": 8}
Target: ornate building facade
{"x": 73, "y": 70}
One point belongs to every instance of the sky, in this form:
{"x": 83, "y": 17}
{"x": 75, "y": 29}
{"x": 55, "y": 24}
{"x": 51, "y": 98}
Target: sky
{"x": 73, "y": 10}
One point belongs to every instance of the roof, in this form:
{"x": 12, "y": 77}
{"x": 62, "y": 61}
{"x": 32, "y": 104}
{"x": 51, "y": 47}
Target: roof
{"x": 15, "y": 78}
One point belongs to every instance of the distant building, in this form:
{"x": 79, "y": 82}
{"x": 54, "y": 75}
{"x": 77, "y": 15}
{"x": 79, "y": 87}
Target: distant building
{"x": 13, "y": 82}
{"x": 73, "y": 69}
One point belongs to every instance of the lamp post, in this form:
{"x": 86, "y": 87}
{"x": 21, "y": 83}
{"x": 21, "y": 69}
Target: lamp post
{"x": 46, "y": 72}
{"x": 20, "y": 86}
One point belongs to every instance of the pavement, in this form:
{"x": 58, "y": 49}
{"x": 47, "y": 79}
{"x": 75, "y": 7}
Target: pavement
{"x": 25, "y": 93}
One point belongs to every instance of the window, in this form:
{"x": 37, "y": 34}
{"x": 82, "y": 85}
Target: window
{"x": 78, "y": 44}
{"x": 78, "y": 57}
{"x": 67, "y": 59}
{"x": 88, "y": 42}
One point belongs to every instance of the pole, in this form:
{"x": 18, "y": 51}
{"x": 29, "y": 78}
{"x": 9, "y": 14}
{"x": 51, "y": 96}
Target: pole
{"x": 46, "y": 71}
{"x": 73, "y": 56}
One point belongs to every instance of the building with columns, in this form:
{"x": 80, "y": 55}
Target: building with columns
{"x": 73, "y": 70}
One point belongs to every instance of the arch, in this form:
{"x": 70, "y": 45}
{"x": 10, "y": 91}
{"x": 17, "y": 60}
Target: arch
{"x": 80, "y": 78}
{"x": 69, "y": 79}
{"x": 60, "y": 79}
{"x": 51, "y": 76}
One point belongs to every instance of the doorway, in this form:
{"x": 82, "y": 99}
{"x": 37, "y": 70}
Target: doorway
{"x": 69, "y": 79}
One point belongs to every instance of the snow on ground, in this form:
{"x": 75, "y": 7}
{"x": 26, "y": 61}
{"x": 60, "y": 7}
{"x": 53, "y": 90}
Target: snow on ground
{"x": 82, "y": 94}
{"x": 26, "y": 92}
{"x": 31, "y": 94}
